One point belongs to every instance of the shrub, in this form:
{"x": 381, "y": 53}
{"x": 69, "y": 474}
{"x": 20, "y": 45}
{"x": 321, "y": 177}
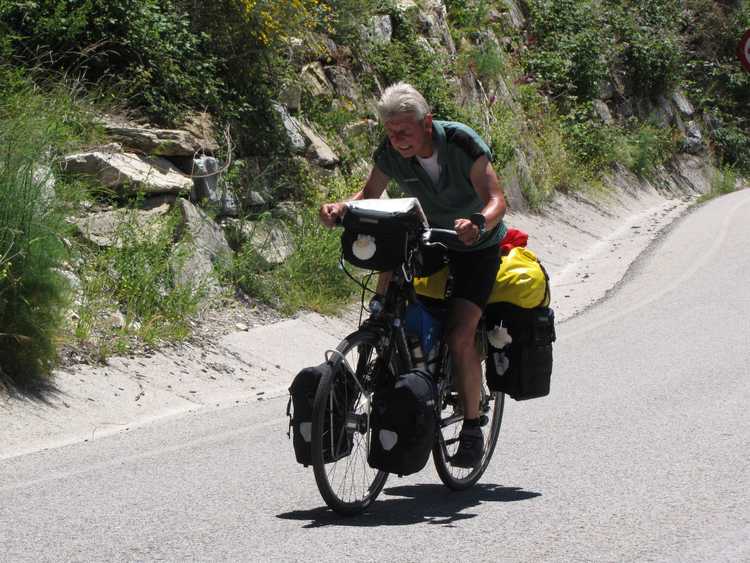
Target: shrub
{"x": 643, "y": 147}
{"x": 143, "y": 50}
{"x": 309, "y": 279}
{"x": 716, "y": 83}
{"x": 32, "y": 291}
{"x": 136, "y": 276}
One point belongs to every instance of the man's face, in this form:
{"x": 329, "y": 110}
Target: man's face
{"x": 410, "y": 136}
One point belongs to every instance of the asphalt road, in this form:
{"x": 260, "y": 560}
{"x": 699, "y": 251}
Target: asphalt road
{"x": 641, "y": 452}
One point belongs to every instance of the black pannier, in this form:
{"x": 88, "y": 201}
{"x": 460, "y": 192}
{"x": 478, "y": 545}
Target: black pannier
{"x": 376, "y": 232}
{"x": 403, "y": 424}
{"x": 523, "y": 368}
{"x": 300, "y": 410}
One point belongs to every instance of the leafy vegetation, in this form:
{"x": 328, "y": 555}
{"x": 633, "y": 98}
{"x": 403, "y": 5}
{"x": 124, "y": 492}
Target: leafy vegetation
{"x": 34, "y": 126}
{"x": 714, "y": 79}
{"x": 135, "y": 275}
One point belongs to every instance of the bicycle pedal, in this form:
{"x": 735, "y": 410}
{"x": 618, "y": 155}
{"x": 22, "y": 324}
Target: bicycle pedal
{"x": 483, "y": 420}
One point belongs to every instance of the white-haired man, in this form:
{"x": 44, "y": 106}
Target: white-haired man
{"x": 447, "y": 166}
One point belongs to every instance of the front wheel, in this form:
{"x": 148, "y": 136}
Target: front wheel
{"x": 450, "y": 422}
{"x": 341, "y": 426}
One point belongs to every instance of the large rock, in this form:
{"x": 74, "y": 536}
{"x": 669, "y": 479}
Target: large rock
{"x": 315, "y": 80}
{"x": 193, "y": 269}
{"x": 270, "y": 238}
{"x": 318, "y": 150}
{"x": 202, "y": 245}
{"x": 515, "y": 17}
{"x": 292, "y": 128}
{"x": 202, "y": 232}
{"x": 209, "y": 188}
{"x": 516, "y": 176}
{"x": 693, "y": 143}
{"x": 130, "y": 172}
{"x": 602, "y": 110}
{"x": 682, "y": 103}
{"x": 343, "y": 82}
{"x": 159, "y": 142}
{"x": 432, "y": 21}
{"x": 118, "y": 227}
{"x": 379, "y": 30}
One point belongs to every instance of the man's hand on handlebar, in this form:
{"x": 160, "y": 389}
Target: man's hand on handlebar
{"x": 331, "y": 213}
{"x": 468, "y": 232}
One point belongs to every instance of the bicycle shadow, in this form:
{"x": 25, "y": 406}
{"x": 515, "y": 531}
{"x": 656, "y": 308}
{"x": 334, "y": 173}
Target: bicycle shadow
{"x": 416, "y": 504}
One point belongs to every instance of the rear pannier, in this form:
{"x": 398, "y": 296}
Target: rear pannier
{"x": 521, "y": 368}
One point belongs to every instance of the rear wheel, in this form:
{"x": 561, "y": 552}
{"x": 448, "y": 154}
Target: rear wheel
{"x": 341, "y": 426}
{"x": 451, "y": 420}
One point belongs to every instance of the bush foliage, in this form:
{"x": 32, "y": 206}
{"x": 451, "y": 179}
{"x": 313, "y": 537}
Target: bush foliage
{"x": 34, "y": 126}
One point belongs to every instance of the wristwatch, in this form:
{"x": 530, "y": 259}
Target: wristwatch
{"x": 480, "y": 221}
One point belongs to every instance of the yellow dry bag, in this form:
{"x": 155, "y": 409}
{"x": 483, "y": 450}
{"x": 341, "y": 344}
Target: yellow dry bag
{"x": 521, "y": 280}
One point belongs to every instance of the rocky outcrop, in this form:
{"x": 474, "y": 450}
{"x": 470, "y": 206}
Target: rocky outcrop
{"x": 202, "y": 232}
{"x": 129, "y": 172}
{"x": 293, "y": 130}
{"x": 379, "y": 30}
{"x": 120, "y": 226}
{"x": 158, "y": 142}
{"x": 304, "y": 140}
{"x": 201, "y": 245}
{"x": 315, "y": 80}
{"x": 318, "y": 151}
{"x": 270, "y": 238}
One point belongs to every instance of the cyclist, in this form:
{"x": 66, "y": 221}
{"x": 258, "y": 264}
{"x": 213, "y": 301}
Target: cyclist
{"x": 448, "y": 168}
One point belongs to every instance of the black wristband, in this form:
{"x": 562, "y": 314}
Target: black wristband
{"x": 480, "y": 221}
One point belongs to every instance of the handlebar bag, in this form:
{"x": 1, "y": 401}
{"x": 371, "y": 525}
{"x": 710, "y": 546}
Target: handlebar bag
{"x": 300, "y": 410}
{"x": 523, "y": 368}
{"x": 376, "y": 232}
{"x": 403, "y": 424}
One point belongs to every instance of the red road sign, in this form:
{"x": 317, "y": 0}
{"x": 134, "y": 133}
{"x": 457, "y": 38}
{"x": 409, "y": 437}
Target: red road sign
{"x": 743, "y": 50}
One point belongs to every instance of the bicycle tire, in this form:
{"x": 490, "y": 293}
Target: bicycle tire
{"x": 338, "y": 395}
{"x": 450, "y": 420}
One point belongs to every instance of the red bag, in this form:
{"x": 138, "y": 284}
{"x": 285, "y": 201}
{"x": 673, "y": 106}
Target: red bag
{"x": 512, "y": 239}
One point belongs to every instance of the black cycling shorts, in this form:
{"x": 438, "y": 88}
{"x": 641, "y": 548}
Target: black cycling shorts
{"x": 473, "y": 272}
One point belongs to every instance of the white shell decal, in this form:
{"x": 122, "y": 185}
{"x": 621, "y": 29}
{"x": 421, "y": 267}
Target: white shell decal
{"x": 364, "y": 247}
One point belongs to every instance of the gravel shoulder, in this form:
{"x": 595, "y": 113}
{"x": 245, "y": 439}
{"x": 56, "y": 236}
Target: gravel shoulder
{"x": 243, "y": 353}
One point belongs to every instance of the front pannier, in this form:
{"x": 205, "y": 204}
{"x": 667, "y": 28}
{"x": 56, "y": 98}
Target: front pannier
{"x": 522, "y": 368}
{"x": 403, "y": 424}
{"x": 300, "y": 410}
{"x": 376, "y": 232}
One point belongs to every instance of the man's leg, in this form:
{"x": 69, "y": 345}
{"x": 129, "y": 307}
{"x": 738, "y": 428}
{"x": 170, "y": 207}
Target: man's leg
{"x": 473, "y": 275}
{"x": 467, "y": 377}
{"x": 462, "y": 325}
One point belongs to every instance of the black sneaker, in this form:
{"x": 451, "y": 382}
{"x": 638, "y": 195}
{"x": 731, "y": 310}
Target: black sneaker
{"x": 470, "y": 448}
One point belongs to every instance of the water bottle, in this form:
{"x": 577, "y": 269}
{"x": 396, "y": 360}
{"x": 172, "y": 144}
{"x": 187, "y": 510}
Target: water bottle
{"x": 415, "y": 349}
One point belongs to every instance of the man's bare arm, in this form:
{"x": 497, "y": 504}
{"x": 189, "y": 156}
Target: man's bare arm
{"x": 487, "y": 185}
{"x": 374, "y": 187}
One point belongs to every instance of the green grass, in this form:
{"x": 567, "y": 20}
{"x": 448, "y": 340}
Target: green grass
{"x": 309, "y": 279}
{"x": 723, "y": 182}
{"x": 136, "y": 277}
{"x": 34, "y": 127}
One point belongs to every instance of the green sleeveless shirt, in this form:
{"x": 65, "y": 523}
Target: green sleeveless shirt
{"x": 453, "y": 197}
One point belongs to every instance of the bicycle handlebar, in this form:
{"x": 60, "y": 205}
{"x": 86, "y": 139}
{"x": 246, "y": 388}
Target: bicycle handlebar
{"x": 432, "y": 237}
